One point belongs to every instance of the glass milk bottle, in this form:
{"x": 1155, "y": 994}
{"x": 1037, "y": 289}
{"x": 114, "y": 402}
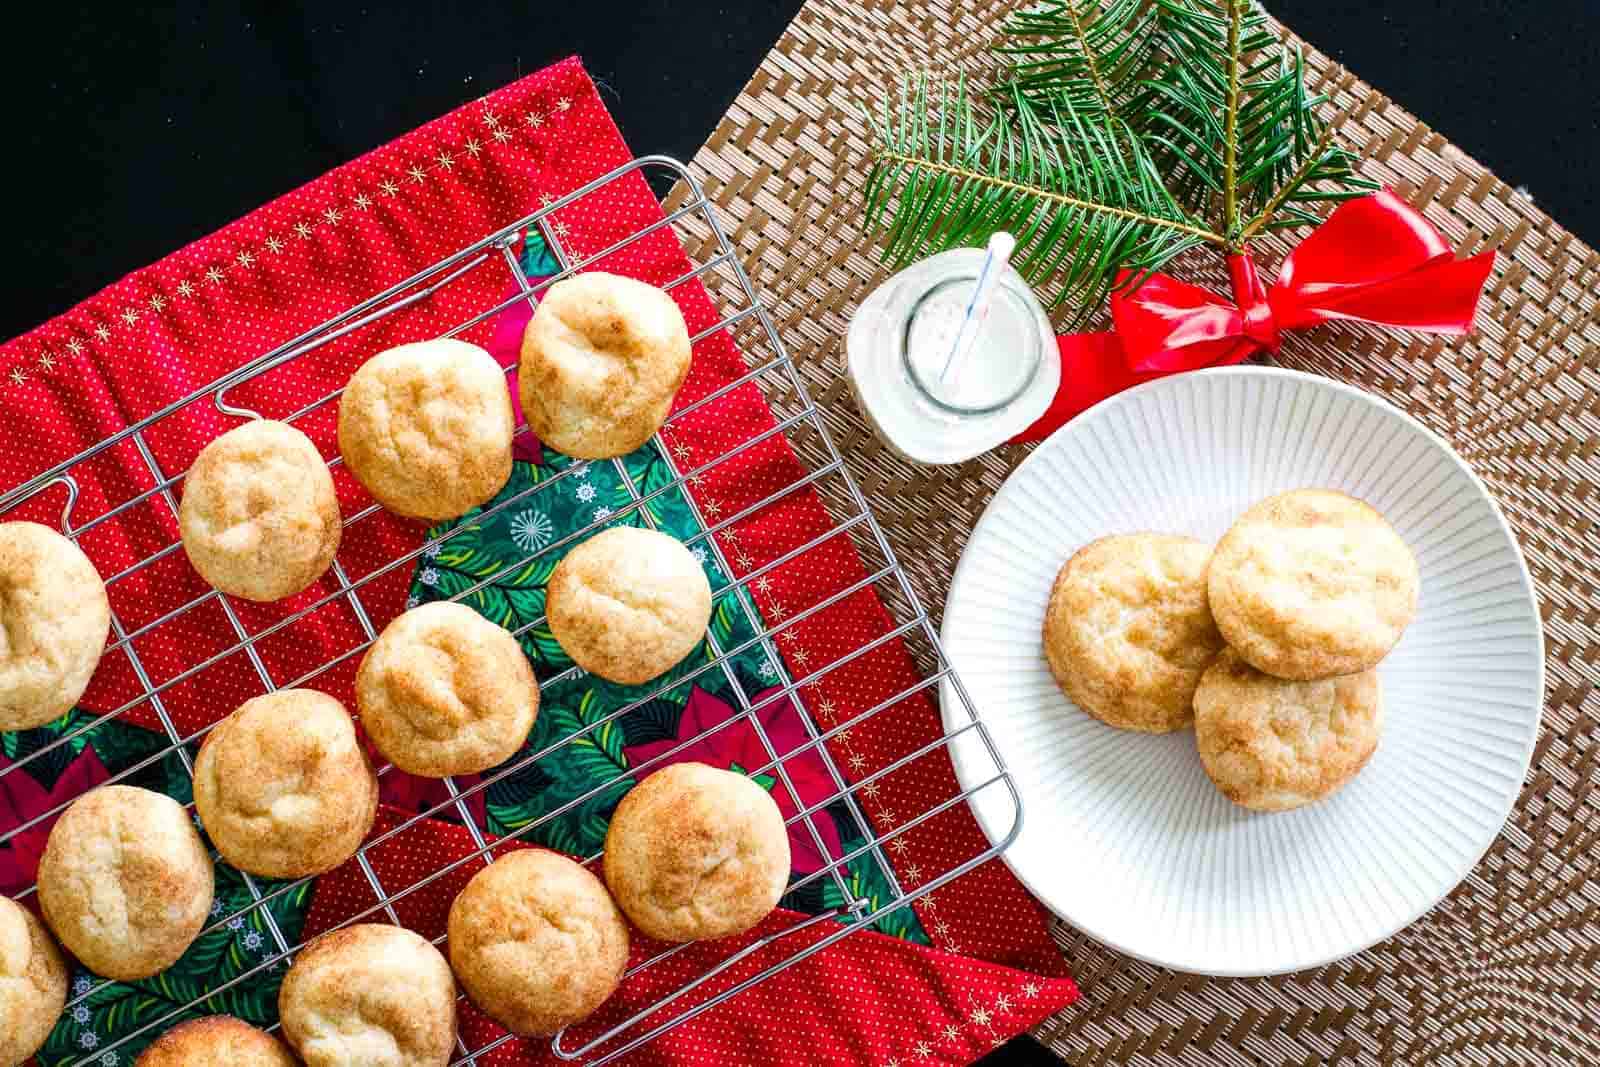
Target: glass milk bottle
{"x": 929, "y": 403}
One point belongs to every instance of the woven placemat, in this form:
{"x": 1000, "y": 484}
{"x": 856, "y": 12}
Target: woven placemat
{"x": 1504, "y": 969}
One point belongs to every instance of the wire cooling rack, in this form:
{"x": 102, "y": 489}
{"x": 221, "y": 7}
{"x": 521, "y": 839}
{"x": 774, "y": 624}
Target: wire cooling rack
{"x": 799, "y": 422}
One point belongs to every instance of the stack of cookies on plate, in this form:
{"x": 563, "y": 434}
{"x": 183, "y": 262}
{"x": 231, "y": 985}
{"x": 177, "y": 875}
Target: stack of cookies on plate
{"x": 1265, "y": 643}
{"x": 284, "y": 787}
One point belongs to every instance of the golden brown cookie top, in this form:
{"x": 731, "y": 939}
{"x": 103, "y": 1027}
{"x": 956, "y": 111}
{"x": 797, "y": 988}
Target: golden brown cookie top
{"x": 628, "y": 604}
{"x": 1311, "y": 584}
{"x": 33, "y": 983}
{"x": 259, "y": 515}
{"x": 695, "y": 852}
{"x": 445, "y": 691}
{"x": 216, "y": 1041}
{"x": 283, "y": 787}
{"x": 427, "y": 428}
{"x": 372, "y": 995}
{"x": 54, "y": 618}
{"x": 602, "y": 359}
{"x": 537, "y": 941}
{"x": 1127, "y": 630}
{"x": 1272, "y": 744}
{"x": 125, "y": 881}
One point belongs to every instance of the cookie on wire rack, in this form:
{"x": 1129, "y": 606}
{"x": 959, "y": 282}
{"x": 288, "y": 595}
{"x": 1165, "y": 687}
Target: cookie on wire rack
{"x": 33, "y": 983}
{"x": 537, "y": 942}
{"x": 695, "y": 852}
{"x": 444, "y": 691}
{"x": 54, "y": 619}
{"x": 628, "y": 604}
{"x": 369, "y": 994}
{"x": 427, "y": 428}
{"x": 125, "y": 881}
{"x": 259, "y": 516}
{"x": 283, "y": 787}
{"x": 216, "y": 1041}
{"x": 602, "y": 358}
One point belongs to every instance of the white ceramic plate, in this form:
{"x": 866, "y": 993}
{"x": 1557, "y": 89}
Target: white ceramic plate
{"x": 1123, "y": 835}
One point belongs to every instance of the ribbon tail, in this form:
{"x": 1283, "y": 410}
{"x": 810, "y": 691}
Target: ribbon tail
{"x": 1093, "y": 367}
{"x": 1438, "y": 297}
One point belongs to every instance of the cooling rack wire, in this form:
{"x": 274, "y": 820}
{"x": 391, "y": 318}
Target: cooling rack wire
{"x": 802, "y": 426}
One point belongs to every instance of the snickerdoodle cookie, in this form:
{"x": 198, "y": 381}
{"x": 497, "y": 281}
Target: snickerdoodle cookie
{"x": 628, "y": 604}
{"x": 33, "y": 983}
{"x": 1127, "y": 631}
{"x": 1272, "y": 744}
{"x": 445, "y": 691}
{"x": 54, "y": 618}
{"x": 537, "y": 942}
{"x": 125, "y": 881}
{"x": 259, "y": 515}
{"x": 427, "y": 428}
{"x": 602, "y": 358}
{"x": 216, "y": 1041}
{"x": 1312, "y": 584}
{"x": 694, "y": 852}
{"x": 283, "y": 787}
{"x": 369, "y": 995}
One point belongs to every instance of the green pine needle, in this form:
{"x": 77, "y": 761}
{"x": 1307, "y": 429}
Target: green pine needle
{"x": 1125, "y": 132}
{"x": 1089, "y": 53}
{"x": 1082, "y": 197}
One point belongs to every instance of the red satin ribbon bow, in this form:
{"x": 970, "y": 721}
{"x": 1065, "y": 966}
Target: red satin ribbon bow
{"x": 1375, "y": 259}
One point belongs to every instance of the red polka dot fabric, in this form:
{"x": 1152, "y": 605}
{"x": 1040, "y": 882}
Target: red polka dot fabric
{"x": 145, "y": 343}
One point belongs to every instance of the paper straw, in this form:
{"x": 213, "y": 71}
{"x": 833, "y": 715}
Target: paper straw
{"x": 997, "y": 254}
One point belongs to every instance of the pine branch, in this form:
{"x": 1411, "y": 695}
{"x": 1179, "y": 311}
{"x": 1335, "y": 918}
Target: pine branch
{"x": 1083, "y": 199}
{"x": 1230, "y": 123}
{"x": 1125, "y": 132}
{"x": 1089, "y": 52}
{"x": 1231, "y": 82}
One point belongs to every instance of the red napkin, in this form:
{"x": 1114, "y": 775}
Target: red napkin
{"x": 166, "y": 330}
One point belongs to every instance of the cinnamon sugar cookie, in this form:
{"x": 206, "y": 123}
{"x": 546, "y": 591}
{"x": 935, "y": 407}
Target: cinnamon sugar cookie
{"x": 33, "y": 983}
{"x": 216, "y": 1041}
{"x": 696, "y": 852}
{"x": 427, "y": 428}
{"x": 602, "y": 358}
{"x": 125, "y": 881}
{"x": 1127, "y": 631}
{"x": 1312, "y": 584}
{"x": 537, "y": 941}
{"x": 369, "y": 995}
{"x": 54, "y": 618}
{"x": 629, "y": 604}
{"x": 259, "y": 515}
{"x": 1271, "y": 744}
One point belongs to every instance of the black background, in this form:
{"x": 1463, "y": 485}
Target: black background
{"x": 135, "y": 129}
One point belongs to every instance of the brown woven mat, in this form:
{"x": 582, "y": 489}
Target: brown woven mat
{"x": 1504, "y": 970}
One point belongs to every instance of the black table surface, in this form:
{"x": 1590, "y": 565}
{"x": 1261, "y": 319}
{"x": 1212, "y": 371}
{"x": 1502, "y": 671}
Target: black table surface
{"x": 135, "y": 128}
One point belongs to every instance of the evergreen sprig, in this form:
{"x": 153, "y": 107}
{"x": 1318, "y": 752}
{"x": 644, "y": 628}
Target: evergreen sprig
{"x": 1086, "y": 55}
{"x": 1124, "y": 132}
{"x": 1078, "y": 191}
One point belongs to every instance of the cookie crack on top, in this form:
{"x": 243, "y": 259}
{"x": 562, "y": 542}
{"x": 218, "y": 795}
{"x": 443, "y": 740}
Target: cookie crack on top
{"x": 708, "y": 875}
{"x": 625, "y": 600}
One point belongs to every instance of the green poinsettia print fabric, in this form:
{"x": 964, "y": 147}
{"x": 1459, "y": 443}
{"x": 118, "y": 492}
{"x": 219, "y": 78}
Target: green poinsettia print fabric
{"x": 589, "y": 754}
{"x": 225, "y": 971}
{"x": 498, "y": 562}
